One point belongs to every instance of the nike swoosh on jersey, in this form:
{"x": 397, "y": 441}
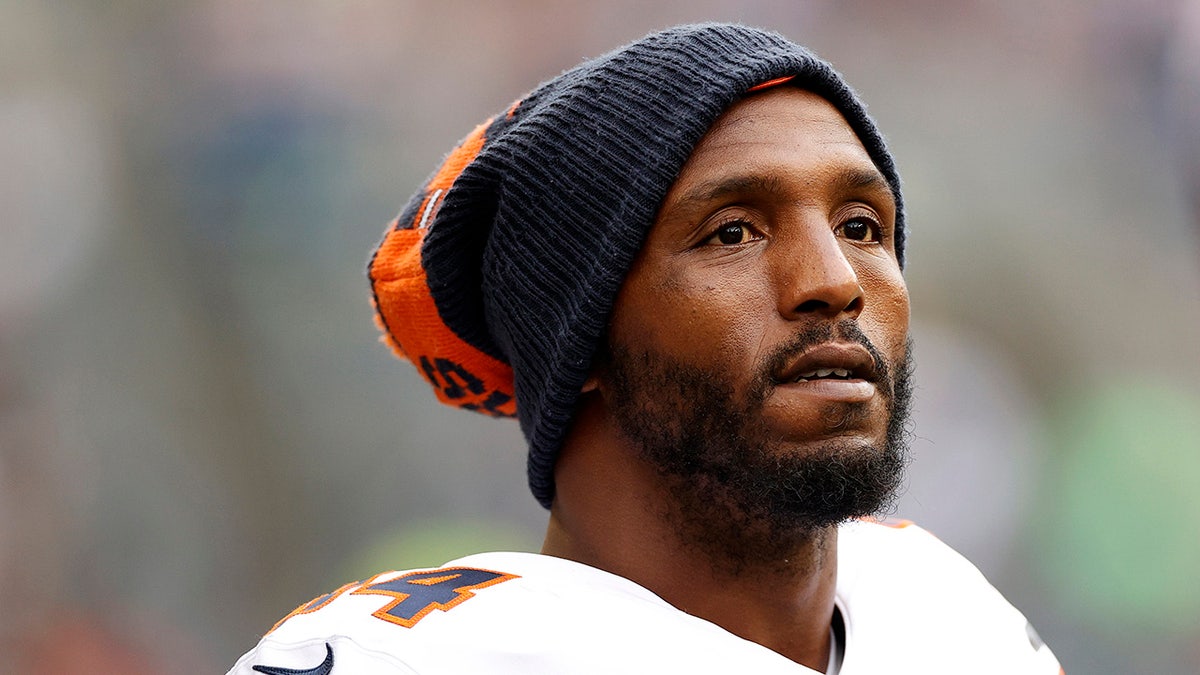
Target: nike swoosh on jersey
{"x": 324, "y": 668}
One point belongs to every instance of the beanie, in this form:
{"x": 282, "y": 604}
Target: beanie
{"x": 498, "y": 277}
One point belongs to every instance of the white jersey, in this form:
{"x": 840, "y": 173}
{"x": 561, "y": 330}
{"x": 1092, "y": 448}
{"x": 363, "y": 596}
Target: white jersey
{"x": 909, "y": 604}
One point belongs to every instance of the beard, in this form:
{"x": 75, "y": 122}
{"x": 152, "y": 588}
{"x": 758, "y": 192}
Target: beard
{"x": 738, "y": 495}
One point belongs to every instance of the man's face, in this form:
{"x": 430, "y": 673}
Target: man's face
{"x": 757, "y": 353}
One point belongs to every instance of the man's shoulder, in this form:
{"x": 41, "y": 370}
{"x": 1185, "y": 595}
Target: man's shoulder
{"x": 907, "y": 594}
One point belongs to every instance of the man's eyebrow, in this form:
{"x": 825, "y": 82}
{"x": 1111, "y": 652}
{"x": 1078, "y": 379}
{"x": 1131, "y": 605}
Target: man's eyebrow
{"x": 855, "y": 179}
{"x": 862, "y": 179}
{"x": 736, "y": 185}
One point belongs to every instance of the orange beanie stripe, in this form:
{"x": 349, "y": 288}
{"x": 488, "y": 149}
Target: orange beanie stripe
{"x": 460, "y": 374}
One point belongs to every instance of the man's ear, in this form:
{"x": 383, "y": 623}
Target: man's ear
{"x": 592, "y": 383}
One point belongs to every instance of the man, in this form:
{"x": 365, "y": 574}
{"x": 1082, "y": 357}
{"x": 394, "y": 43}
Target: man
{"x": 679, "y": 265}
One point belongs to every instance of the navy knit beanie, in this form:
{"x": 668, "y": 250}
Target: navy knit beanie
{"x": 498, "y": 277}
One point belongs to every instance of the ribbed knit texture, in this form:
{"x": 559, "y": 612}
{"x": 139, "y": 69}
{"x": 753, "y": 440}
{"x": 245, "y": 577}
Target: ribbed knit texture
{"x": 529, "y": 248}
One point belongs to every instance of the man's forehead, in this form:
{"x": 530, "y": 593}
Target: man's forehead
{"x": 737, "y": 154}
{"x": 846, "y": 179}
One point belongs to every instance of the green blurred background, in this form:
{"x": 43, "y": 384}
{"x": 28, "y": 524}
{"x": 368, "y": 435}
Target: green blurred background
{"x": 199, "y": 429}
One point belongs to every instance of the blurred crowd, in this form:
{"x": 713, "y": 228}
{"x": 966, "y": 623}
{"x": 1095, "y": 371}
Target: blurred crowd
{"x": 199, "y": 430}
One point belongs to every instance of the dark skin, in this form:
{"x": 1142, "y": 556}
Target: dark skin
{"x": 778, "y": 222}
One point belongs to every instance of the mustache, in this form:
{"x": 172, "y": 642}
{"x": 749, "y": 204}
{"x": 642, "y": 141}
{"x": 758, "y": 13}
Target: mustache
{"x": 846, "y": 330}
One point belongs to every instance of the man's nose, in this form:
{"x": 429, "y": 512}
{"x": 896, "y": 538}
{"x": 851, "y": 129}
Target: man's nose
{"x": 816, "y": 279}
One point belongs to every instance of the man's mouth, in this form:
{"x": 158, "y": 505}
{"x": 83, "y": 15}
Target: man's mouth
{"x": 830, "y": 361}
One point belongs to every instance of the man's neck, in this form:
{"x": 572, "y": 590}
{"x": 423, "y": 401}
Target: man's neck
{"x": 784, "y": 603}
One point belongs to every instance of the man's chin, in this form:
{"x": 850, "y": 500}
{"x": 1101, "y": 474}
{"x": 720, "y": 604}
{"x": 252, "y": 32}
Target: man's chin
{"x": 821, "y": 483}
{"x": 776, "y": 500}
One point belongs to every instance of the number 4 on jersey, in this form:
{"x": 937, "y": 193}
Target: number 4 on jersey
{"x": 416, "y": 594}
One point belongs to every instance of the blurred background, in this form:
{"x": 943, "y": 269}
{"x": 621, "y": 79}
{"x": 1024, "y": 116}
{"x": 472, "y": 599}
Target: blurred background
{"x": 199, "y": 429}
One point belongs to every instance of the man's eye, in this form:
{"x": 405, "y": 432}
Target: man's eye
{"x": 859, "y": 229}
{"x": 732, "y": 233}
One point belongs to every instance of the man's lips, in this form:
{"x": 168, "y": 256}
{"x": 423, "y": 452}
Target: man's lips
{"x": 832, "y": 372}
{"x": 830, "y": 362}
